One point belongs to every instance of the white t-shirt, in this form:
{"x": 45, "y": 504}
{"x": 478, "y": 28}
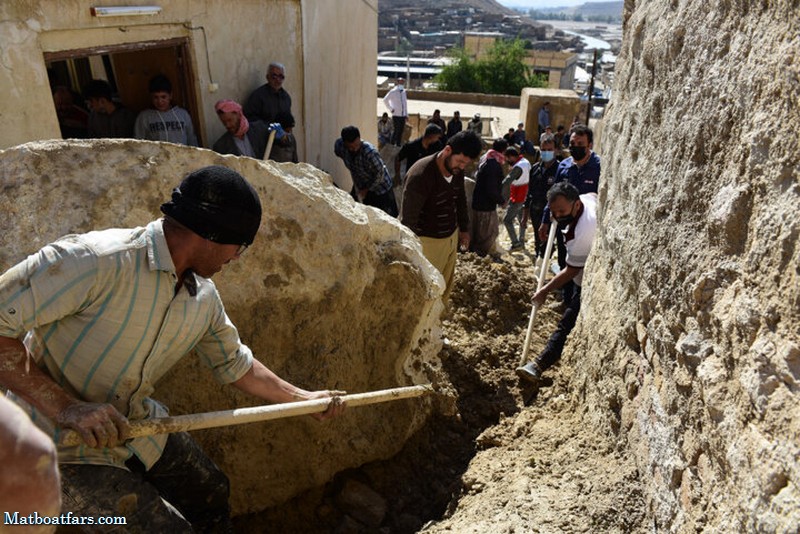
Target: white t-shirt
{"x": 580, "y": 245}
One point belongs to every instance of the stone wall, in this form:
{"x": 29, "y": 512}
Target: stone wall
{"x": 332, "y": 295}
{"x": 690, "y": 333}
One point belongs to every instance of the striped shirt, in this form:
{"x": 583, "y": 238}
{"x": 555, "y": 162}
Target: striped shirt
{"x": 365, "y": 166}
{"x": 103, "y": 318}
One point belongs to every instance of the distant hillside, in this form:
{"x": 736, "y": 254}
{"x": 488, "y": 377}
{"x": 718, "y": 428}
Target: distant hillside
{"x": 588, "y": 11}
{"x": 488, "y": 6}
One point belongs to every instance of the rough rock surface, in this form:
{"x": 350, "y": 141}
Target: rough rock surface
{"x": 331, "y": 295}
{"x": 691, "y": 330}
{"x": 676, "y": 407}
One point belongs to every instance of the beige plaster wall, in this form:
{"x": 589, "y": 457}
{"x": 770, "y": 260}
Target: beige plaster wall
{"x": 330, "y": 68}
{"x": 341, "y": 56}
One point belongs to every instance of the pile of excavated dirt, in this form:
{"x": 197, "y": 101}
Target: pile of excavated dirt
{"x": 561, "y": 473}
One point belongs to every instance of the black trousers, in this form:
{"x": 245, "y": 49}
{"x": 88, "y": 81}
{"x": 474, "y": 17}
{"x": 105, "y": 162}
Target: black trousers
{"x": 195, "y": 488}
{"x": 385, "y": 202}
{"x": 555, "y": 345}
{"x": 399, "y": 127}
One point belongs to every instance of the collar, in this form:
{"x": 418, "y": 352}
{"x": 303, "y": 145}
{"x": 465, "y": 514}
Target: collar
{"x": 159, "y": 258}
{"x": 569, "y": 234}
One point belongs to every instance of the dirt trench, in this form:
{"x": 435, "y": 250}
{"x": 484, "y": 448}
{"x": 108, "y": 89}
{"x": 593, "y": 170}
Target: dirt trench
{"x": 431, "y": 481}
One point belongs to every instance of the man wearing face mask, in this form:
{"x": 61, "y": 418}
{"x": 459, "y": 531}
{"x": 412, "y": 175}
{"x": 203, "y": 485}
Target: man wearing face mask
{"x": 542, "y": 178}
{"x": 581, "y": 169}
{"x": 578, "y": 215}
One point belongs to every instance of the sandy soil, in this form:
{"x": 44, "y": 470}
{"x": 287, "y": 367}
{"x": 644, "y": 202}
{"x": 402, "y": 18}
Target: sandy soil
{"x": 513, "y": 460}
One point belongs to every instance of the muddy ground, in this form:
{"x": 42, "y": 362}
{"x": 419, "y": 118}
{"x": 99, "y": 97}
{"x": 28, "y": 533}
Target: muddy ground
{"x": 514, "y": 459}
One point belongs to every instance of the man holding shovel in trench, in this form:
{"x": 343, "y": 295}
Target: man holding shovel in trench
{"x": 579, "y": 214}
{"x": 108, "y": 313}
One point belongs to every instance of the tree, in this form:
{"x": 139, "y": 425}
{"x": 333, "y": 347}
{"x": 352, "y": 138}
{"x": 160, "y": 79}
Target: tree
{"x": 502, "y": 72}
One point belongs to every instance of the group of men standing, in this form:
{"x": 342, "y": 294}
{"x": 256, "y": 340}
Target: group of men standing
{"x": 267, "y": 110}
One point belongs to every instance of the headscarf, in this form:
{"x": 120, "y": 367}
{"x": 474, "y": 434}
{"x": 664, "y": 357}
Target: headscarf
{"x": 230, "y": 106}
{"x": 493, "y": 154}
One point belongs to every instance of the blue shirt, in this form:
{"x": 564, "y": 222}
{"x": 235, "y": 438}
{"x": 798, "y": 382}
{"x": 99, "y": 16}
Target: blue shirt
{"x": 544, "y": 118}
{"x": 586, "y": 178}
{"x": 365, "y": 166}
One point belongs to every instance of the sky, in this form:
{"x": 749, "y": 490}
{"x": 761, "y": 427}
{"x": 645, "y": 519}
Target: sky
{"x": 542, "y": 3}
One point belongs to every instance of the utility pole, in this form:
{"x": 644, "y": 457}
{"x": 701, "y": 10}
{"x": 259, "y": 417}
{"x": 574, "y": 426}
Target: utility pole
{"x": 591, "y": 88}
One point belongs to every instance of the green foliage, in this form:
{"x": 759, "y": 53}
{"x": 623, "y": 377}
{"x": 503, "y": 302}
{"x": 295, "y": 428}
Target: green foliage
{"x": 502, "y": 72}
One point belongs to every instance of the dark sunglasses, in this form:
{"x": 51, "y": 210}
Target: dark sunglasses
{"x": 277, "y": 76}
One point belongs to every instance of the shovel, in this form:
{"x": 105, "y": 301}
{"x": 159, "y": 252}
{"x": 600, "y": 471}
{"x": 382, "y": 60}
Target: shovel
{"x": 548, "y": 250}
{"x": 238, "y": 416}
{"x": 270, "y": 141}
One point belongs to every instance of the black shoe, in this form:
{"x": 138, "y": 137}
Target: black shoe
{"x": 530, "y": 372}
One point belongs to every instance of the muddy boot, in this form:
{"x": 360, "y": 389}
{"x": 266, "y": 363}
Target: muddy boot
{"x": 530, "y": 372}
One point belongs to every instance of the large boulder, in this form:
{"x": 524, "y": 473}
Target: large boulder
{"x": 689, "y": 344}
{"x": 331, "y": 295}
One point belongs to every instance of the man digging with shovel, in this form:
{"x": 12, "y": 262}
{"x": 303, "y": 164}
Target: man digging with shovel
{"x": 104, "y": 315}
{"x": 579, "y": 214}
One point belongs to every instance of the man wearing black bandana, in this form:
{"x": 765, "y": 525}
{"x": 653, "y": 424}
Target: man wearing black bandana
{"x": 107, "y": 314}
{"x": 578, "y": 215}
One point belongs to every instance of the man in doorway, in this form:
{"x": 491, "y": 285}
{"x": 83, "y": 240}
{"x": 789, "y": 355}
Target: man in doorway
{"x": 413, "y": 151}
{"x": 544, "y": 118}
{"x": 372, "y": 184}
{"x": 435, "y": 203}
{"x": 578, "y": 214}
{"x": 165, "y": 122}
{"x": 267, "y": 101}
{"x": 106, "y": 117}
{"x": 107, "y": 314}
{"x": 396, "y": 101}
{"x": 242, "y": 137}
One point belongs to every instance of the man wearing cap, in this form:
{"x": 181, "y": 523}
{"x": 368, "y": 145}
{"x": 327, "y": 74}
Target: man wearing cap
{"x": 476, "y": 124}
{"x": 396, "y": 101}
{"x": 104, "y": 316}
{"x": 242, "y": 138}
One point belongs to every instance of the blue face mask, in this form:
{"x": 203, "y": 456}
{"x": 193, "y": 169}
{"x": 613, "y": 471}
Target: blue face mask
{"x": 548, "y": 155}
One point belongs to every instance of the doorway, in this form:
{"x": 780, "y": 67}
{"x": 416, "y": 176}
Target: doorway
{"x": 128, "y": 69}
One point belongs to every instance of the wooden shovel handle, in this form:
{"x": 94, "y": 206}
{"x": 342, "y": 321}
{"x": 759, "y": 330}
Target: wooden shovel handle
{"x": 238, "y": 416}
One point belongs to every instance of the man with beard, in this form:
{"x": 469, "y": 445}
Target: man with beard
{"x": 242, "y": 137}
{"x": 435, "y": 203}
{"x": 582, "y": 170}
{"x": 104, "y": 316}
{"x": 578, "y": 216}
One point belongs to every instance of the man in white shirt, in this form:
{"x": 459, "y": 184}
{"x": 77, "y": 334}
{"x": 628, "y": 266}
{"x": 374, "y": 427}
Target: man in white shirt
{"x": 396, "y": 101}
{"x": 579, "y": 214}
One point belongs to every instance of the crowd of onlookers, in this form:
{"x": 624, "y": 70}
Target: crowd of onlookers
{"x": 265, "y": 121}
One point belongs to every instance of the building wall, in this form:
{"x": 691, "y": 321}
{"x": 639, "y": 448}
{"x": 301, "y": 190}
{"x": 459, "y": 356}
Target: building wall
{"x": 330, "y": 70}
{"x": 341, "y": 57}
